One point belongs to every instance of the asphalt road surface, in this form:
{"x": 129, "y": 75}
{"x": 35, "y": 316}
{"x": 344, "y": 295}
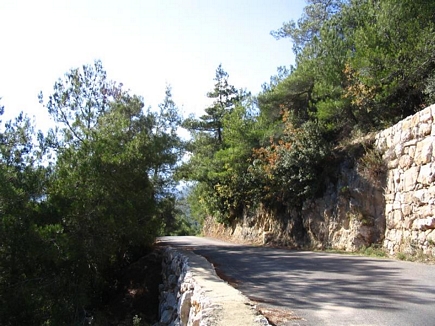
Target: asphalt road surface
{"x": 316, "y": 288}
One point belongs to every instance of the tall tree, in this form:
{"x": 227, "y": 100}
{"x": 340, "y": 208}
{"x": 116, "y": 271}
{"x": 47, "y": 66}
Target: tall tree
{"x": 208, "y": 131}
{"x": 24, "y": 276}
{"x": 225, "y": 97}
{"x": 168, "y": 145}
{"x": 307, "y": 29}
{"x": 79, "y": 100}
{"x": 394, "y": 54}
{"x": 210, "y": 147}
{"x": 113, "y": 159}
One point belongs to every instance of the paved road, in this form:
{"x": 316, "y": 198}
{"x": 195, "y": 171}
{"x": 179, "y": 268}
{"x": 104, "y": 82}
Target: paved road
{"x": 322, "y": 288}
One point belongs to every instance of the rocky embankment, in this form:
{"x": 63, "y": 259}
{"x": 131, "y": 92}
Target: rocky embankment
{"x": 385, "y": 198}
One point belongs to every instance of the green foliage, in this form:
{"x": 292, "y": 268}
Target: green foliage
{"x": 221, "y": 145}
{"x": 68, "y": 224}
{"x": 291, "y": 168}
{"x": 373, "y": 251}
{"x": 78, "y": 102}
{"x": 401, "y": 256}
{"x": 373, "y": 166}
{"x": 197, "y": 197}
{"x": 307, "y": 29}
{"x": 393, "y": 55}
{"x": 274, "y": 158}
{"x": 25, "y": 280}
{"x": 429, "y": 90}
{"x": 136, "y": 320}
{"x": 293, "y": 93}
{"x": 225, "y": 97}
{"x": 183, "y": 221}
{"x": 369, "y": 62}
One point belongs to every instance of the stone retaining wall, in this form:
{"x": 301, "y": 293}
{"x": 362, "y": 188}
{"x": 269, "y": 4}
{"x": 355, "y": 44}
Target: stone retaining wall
{"x": 193, "y": 295}
{"x": 182, "y": 300}
{"x": 410, "y": 191}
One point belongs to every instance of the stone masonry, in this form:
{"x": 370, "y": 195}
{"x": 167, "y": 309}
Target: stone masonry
{"x": 193, "y": 295}
{"x": 409, "y": 150}
{"x": 182, "y": 301}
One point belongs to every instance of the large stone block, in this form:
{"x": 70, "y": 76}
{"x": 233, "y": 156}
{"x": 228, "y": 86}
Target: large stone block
{"x": 426, "y": 175}
{"x": 397, "y": 204}
{"x": 406, "y": 130}
{"x": 399, "y": 235}
{"x": 424, "y": 224}
{"x": 421, "y": 197}
{"x": 397, "y": 218}
{"x": 430, "y": 237}
{"x": 408, "y": 197}
{"x": 408, "y": 222}
{"x": 392, "y": 164}
{"x": 398, "y": 149}
{"x": 423, "y": 153}
{"x": 409, "y": 178}
{"x": 424, "y": 130}
{"x": 426, "y": 115}
{"x": 389, "y": 220}
{"x": 411, "y": 150}
{"x": 431, "y": 192}
{"x": 388, "y": 208}
{"x": 184, "y": 306}
{"x": 410, "y": 143}
{"x": 389, "y": 195}
{"x": 415, "y": 119}
{"x": 406, "y": 209}
{"x": 398, "y": 184}
{"x": 405, "y": 162}
{"x": 397, "y": 134}
{"x": 407, "y": 123}
{"x": 427, "y": 211}
{"x": 390, "y": 235}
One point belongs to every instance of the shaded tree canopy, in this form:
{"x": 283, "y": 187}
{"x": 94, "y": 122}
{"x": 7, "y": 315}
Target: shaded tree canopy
{"x": 68, "y": 224}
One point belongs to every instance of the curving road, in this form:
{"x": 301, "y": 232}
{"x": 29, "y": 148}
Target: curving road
{"x": 313, "y": 288}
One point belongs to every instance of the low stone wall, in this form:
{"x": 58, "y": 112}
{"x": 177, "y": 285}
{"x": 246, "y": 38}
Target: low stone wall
{"x": 409, "y": 148}
{"x": 182, "y": 300}
{"x": 192, "y": 294}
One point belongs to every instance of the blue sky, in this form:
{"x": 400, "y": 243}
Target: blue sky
{"x": 143, "y": 44}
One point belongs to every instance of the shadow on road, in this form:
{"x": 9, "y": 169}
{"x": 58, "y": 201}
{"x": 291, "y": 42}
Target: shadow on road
{"x": 320, "y": 288}
{"x": 309, "y": 278}
{"x": 306, "y": 280}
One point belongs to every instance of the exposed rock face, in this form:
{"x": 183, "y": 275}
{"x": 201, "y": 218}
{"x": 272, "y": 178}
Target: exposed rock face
{"x": 361, "y": 208}
{"x": 410, "y": 190}
{"x": 349, "y": 215}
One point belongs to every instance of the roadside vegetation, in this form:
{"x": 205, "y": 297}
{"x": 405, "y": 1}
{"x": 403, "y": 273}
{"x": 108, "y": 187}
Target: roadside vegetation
{"x": 361, "y": 66}
{"x": 377, "y": 251}
{"x": 83, "y": 201}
